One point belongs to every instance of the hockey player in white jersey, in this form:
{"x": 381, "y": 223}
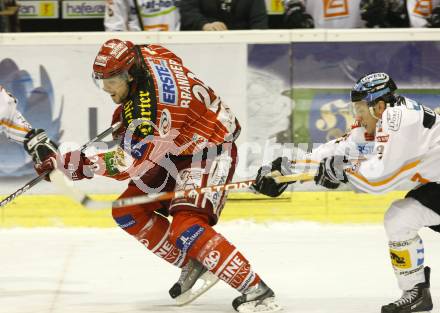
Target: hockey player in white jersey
{"x": 404, "y": 137}
{"x": 136, "y": 15}
{"x": 15, "y": 127}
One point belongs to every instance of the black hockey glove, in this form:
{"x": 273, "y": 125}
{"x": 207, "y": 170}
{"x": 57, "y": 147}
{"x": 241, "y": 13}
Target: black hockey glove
{"x": 374, "y": 12}
{"x": 295, "y": 15}
{"x": 39, "y": 146}
{"x": 331, "y": 172}
{"x": 266, "y": 184}
{"x": 434, "y": 18}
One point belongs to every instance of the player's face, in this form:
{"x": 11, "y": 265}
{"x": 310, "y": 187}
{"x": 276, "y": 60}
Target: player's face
{"x": 117, "y": 87}
{"x": 363, "y": 115}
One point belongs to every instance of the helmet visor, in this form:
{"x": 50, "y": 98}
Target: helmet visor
{"x": 112, "y": 82}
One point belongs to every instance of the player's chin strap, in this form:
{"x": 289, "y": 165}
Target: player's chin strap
{"x": 61, "y": 181}
{"x": 56, "y": 176}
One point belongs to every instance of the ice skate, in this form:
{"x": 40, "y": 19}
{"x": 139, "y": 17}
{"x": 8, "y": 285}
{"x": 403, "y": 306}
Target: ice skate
{"x": 183, "y": 291}
{"x": 417, "y": 299}
{"x": 259, "y": 298}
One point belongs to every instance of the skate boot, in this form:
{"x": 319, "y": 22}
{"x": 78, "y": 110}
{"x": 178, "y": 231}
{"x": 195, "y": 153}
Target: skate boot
{"x": 183, "y": 291}
{"x": 417, "y": 299}
{"x": 259, "y": 298}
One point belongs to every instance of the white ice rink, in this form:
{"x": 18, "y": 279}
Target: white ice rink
{"x": 312, "y": 268}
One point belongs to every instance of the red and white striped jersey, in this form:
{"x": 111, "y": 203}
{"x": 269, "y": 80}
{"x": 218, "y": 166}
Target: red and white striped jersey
{"x": 12, "y": 122}
{"x": 187, "y": 114}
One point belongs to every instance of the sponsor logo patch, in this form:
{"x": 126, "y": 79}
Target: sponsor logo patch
{"x": 335, "y": 8}
{"x": 423, "y": 8}
{"x": 365, "y": 148}
{"x": 400, "y": 259}
{"x": 189, "y": 237}
{"x": 373, "y": 77}
{"x": 119, "y": 50}
{"x": 125, "y": 221}
{"x": 101, "y": 60}
{"x": 165, "y": 122}
{"x": 211, "y": 260}
{"x": 165, "y": 81}
{"x": 394, "y": 117}
{"x": 383, "y": 138}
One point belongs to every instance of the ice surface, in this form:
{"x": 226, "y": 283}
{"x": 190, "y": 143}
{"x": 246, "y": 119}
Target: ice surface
{"x": 312, "y": 268}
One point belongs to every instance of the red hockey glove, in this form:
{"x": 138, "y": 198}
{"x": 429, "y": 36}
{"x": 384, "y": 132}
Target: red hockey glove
{"x": 75, "y": 165}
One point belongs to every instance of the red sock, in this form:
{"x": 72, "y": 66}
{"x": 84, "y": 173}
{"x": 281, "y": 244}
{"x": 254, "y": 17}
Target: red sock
{"x": 226, "y": 262}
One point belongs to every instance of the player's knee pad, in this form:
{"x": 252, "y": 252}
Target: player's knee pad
{"x": 399, "y": 221}
{"x": 407, "y": 258}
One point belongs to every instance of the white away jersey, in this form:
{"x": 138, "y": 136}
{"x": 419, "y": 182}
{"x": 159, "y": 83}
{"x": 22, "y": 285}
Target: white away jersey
{"x": 335, "y": 13}
{"x": 419, "y": 10}
{"x": 12, "y": 123}
{"x": 406, "y": 148}
{"x": 157, "y": 15}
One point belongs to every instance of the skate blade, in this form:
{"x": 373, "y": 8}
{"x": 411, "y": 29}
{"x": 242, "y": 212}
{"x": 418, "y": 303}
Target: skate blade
{"x": 207, "y": 281}
{"x": 268, "y": 305}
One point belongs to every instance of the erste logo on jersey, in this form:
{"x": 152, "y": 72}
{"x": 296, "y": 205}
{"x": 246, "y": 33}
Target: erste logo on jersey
{"x": 423, "y": 8}
{"x": 165, "y": 82}
{"x": 335, "y": 8}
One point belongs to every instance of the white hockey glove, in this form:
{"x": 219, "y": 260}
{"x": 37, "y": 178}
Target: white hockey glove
{"x": 331, "y": 172}
{"x": 265, "y": 182}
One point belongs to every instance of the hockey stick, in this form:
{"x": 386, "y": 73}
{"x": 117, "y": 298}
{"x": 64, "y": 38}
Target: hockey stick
{"x": 62, "y": 182}
{"x": 161, "y": 196}
{"x": 303, "y": 177}
{"x": 39, "y": 178}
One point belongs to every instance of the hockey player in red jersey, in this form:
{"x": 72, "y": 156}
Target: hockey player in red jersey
{"x": 395, "y": 140}
{"x": 177, "y": 134}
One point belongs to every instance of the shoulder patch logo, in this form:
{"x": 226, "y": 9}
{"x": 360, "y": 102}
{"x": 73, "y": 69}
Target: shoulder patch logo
{"x": 394, "y": 118}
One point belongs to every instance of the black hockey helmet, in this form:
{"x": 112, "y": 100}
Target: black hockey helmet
{"x": 374, "y": 87}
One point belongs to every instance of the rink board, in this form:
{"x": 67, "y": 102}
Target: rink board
{"x": 326, "y": 207}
